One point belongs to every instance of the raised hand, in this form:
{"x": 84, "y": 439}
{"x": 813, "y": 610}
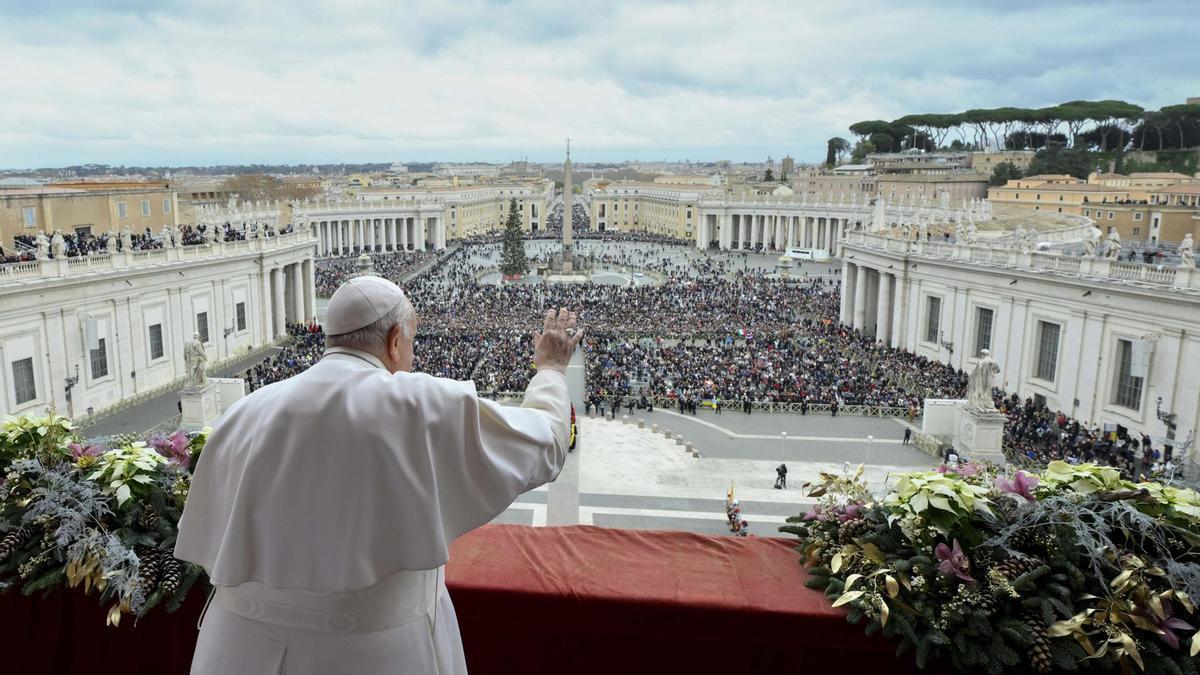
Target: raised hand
{"x": 553, "y": 345}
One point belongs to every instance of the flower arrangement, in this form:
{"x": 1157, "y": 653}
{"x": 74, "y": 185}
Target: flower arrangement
{"x": 1074, "y": 569}
{"x": 100, "y": 518}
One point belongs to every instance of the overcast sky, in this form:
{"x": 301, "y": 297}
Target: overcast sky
{"x": 218, "y": 82}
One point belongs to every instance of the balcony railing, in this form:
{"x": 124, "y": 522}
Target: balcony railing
{"x": 23, "y": 272}
{"x": 1102, "y": 269}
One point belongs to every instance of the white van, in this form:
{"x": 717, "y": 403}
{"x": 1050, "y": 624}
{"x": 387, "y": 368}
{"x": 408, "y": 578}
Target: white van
{"x": 815, "y": 254}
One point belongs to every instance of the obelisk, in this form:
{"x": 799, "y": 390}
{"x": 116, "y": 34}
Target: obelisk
{"x": 568, "y": 233}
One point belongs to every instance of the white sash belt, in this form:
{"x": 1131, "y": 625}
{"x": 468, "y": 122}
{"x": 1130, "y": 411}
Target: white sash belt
{"x": 396, "y": 600}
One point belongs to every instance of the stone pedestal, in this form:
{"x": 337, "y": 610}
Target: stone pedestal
{"x": 230, "y": 390}
{"x": 200, "y": 406}
{"x": 980, "y": 434}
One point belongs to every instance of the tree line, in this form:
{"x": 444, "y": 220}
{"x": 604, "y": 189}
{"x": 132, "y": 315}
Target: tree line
{"x": 1086, "y": 125}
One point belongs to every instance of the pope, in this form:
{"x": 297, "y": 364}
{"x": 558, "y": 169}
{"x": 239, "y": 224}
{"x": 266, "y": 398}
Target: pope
{"x": 323, "y": 506}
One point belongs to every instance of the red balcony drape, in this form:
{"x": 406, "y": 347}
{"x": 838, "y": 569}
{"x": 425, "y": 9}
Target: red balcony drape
{"x": 536, "y": 600}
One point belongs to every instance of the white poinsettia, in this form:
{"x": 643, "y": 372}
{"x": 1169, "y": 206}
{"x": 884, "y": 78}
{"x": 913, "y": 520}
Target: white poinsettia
{"x": 939, "y": 499}
{"x": 123, "y": 470}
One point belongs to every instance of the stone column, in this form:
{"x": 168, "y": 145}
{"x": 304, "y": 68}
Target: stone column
{"x": 298, "y": 289}
{"x": 883, "y": 315}
{"x": 370, "y": 225}
{"x": 860, "y": 297}
{"x": 277, "y": 306}
{"x": 846, "y": 315}
{"x": 310, "y": 290}
{"x": 404, "y": 234}
{"x": 421, "y": 233}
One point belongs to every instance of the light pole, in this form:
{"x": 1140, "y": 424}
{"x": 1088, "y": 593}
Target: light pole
{"x": 870, "y": 440}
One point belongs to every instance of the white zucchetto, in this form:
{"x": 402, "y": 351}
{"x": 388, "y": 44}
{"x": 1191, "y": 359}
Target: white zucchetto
{"x": 359, "y": 303}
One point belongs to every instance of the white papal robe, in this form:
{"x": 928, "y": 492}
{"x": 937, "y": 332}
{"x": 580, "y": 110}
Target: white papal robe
{"x": 323, "y": 506}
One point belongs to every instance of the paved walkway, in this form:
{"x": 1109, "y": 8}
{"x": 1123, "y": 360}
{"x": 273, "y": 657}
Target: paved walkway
{"x": 154, "y": 411}
{"x": 562, "y": 505}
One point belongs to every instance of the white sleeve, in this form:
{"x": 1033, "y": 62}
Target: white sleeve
{"x": 505, "y": 451}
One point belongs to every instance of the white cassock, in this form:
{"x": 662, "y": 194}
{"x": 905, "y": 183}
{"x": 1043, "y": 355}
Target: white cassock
{"x": 323, "y": 506}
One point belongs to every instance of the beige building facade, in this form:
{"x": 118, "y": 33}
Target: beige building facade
{"x": 647, "y": 207}
{"x": 78, "y": 209}
{"x": 959, "y": 186}
{"x": 840, "y": 186}
{"x": 985, "y": 163}
{"x": 469, "y": 211}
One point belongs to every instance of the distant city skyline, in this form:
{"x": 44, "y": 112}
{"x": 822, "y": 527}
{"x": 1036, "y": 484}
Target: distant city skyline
{"x": 165, "y": 83}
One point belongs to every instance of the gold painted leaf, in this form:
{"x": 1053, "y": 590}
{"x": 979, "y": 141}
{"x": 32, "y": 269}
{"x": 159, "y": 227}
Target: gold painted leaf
{"x": 849, "y": 596}
{"x": 1131, "y": 649}
{"x": 114, "y": 615}
{"x": 835, "y": 563}
{"x": 851, "y": 579}
{"x": 893, "y": 588}
{"x": 874, "y": 553}
{"x": 1195, "y": 644}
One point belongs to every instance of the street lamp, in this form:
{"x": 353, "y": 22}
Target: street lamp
{"x": 1167, "y": 418}
{"x": 947, "y": 344}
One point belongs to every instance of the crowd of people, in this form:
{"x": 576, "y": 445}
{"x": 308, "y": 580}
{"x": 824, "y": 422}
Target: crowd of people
{"x": 333, "y": 272}
{"x": 816, "y": 361}
{"x": 714, "y": 333}
{"x": 77, "y": 244}
{"x": 1036, "y": 435}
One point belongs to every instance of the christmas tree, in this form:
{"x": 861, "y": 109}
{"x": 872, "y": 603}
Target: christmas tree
{"x": 512, "y": 258}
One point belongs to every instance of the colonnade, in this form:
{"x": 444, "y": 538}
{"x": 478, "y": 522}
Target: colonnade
{"x": 771, "y": 231}
{"x": 870, "y": 299}
{"x": 345, "y": 236}
{"x": 291, "y": 296}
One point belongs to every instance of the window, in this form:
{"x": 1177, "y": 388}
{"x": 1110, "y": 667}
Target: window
{"x": 1111, "y": 215}
{"x": 1047, "y": 360}
{"x": 202, "y": 326}
{"x": 122, "y": 210}
{"x": 23, "y": 384}
{"x": 29, "y": 216}
{"x": 983, "y": 330}
{"x": 933, "y": 319}
{"x": 1129, "y": 387}
{"x": 1137, "y": 231}
{"x": 156, "y": 342}
{"x": 146, "y": 208}
{"x": 99, "y": 360}
{"x": 166, "y": 206}
{"x": 1087, "y": 212}
{"x": 240, "y": 311}
{"x": 1137, "y": 216}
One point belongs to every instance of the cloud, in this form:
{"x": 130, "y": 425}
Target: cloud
{"x": 148, "y": 83}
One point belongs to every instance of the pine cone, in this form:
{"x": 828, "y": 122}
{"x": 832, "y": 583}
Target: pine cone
{"x": 14, "y": 540}
{"x": 172, "y": 574}
{"x": 1006, "y": 509}
{"x": 149, "y": 562}
{"x": 1025, "y": 539}
{"x": 850, "y": 529}
{"x": 1014, "y": 567}
{"x": 149, "y": 518}
{"x": 1039, "y": 651}
{"x": 986, "y": 601}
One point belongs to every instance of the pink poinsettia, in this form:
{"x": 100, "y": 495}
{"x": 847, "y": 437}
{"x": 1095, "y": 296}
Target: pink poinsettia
{"x": 173, "y": 447}
{"x": 954, "y": 563}
{"x": 965, "y": 469}
{"x": 81, "y": 450}
{"x": 1169, "y": 624}
{"x": 1021, "y": 484}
